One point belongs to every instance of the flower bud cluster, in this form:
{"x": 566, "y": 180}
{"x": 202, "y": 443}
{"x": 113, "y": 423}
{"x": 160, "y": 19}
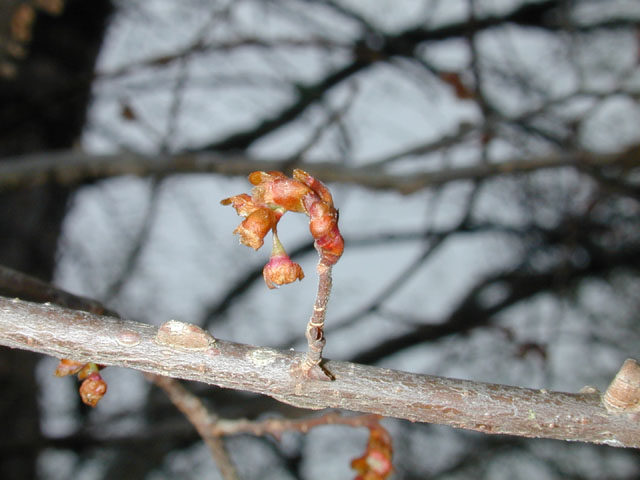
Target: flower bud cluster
{"x": 272, "y": 196}
{"x": 93, "y": 386}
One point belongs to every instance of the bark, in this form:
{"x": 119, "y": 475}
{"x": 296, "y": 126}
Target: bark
{"x": 192, "y": 354}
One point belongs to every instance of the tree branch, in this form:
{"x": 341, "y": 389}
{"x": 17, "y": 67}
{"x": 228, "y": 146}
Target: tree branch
{"x": 204, "y": 422}
{"x": 518, "y": 285}
{"x": 277, "y": 426}
{"x": 17, "y": 284}
{"x": 74, "y": 167}
{"x": 194, "y": 355}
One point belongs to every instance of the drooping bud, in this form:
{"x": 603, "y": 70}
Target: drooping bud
{"x": 375, "y": 464}
{"x": 280, "y": 269}
{"x": 272, "y": 196}
{"x": 255, "y": 227}
{"x": 68, "y": 367}
{"x": 93, "y": 389}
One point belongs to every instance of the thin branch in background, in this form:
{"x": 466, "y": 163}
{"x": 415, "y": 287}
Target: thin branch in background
{"x": 397, "y": 282}
{"x": 72, "y": 167}
{"x": 199, "y": 46}
{"x": 472, "y": 312}
{"x": 129, "y": 265}
{"x": 455, "y": 138}
{"x": 14, "y": 284}
{"x": 435, "y": 240}
{"x": 478, "y": 94}
{"x": 204, "y": 422}
{"x": 177, "y": 97}
{"x": 307, "y": 95}
{"x": 182, "y": 77}
{"x": 277, "y": 426}
{"x": 334, "y": 118}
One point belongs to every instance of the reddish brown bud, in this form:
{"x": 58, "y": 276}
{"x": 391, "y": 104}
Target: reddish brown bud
{"x": 256, "y": 178}
{"x": 274, "y": 188}
{"x": 93, "y": 389}
{"x": 314, "y": 184}
{"x": 242, "y": 203}
{"x": 68, "y": 367}
{"x": 274, "y": 194}
{"x": 323, "y": 224}
{"x": 375, "y": 464}
{"x": 454, "y": 80}
{"x": 281, "y": 269}
{"x": 254, "y": 228}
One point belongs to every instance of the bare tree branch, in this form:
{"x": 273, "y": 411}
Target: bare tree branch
{"x": 204, "y": 422}
{"x": 17, "y": 284}
{"x": 277, "y": 426}
{"x": 194, "y": 355}
{"x": 470, "y": 313}
{"x": 73, "y": 167}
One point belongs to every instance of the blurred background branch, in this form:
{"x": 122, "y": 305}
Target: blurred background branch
{"x": 73, "y": 168}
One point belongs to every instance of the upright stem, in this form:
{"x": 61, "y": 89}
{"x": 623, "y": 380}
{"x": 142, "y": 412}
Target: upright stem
{"x": 315, "y": 328}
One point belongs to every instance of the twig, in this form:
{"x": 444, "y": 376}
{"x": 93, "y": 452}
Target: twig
{"x": 72, "y": 167}
{"x": 204, "y": 422}
{"x": 277, "y": 426}
{"x": 487, "y": 408}
{"x": 17, "y": 284}
{"x": 315, "y": 328}
{"x": 138, "y": 243}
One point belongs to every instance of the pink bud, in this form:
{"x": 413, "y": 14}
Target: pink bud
{"x": 281, "y": 269}
{"x": 93, "y": 389}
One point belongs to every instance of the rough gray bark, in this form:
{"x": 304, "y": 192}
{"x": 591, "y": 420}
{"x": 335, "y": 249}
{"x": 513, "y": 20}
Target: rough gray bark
{"x": 184, "y": 351}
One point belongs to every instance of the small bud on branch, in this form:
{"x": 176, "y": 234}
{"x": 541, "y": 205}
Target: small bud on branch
{"x": 93, "y": 389}
{"x": 93, "y": 386}
{"x": 375, "y": 464}
{"x": 623, "y": 394}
